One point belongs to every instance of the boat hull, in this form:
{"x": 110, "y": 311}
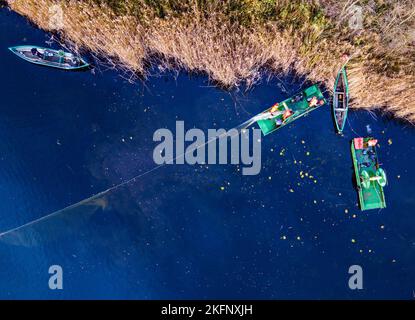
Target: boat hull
{"x": 50, "y": 58}
{"x": 340, "y": 105}
{"x": 365, "y": 162}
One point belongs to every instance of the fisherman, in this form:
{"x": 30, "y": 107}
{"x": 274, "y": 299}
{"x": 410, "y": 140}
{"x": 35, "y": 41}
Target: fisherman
{"x": 372, "y": 142}
{"x": 314, "y": 101}
{"x": 36, "y": 53}
{"x": 272, "y": 113}
{"x": 287, "y": 113}
{"x": 275, "y": 113}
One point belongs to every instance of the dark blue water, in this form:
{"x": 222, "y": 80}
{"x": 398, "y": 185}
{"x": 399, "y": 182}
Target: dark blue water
{"x": 187, "y": 232}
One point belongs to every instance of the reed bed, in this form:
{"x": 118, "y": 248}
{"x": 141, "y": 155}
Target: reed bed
{"x": 235, "y": 42}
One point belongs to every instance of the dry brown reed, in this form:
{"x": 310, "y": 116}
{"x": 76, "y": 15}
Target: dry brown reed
{"x": 233, "y": 51}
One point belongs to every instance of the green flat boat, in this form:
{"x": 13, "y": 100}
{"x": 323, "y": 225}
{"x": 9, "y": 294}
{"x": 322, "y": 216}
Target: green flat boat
{"x": 49, "y": 57}
{"x": 370, "y": 177}
{"x": 341, "y": 100}
{"x": 290, "y": 109}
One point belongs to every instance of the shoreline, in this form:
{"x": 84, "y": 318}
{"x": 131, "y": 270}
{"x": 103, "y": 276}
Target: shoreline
{"x": 204, "y": 39}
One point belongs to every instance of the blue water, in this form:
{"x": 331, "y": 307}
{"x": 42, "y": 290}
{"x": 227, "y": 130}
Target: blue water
{"x": 174, "y": 233}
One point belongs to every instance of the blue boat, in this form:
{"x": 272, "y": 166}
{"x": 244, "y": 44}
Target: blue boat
{"x": 49, "y": 57}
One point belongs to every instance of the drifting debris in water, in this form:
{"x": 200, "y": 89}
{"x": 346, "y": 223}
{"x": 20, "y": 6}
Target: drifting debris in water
{"x": 389, "y": 141}
{"x": 291, "y": 190}
{"x": 353, "y": 241}
{"x": 368, "y": 129}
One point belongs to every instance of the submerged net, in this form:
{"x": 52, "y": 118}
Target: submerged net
{"x": 102, "y": 200}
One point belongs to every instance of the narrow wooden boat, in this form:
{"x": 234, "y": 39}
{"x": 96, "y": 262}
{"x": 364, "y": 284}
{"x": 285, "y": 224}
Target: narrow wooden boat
{"x": 370, "y": 177}
{"x": 49, "y": 57}
{"x": 340, "y": 100}
{"x": 290, "y": 109}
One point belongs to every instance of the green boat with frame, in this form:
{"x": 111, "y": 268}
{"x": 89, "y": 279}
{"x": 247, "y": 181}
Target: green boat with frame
{"x": 370, "y": 178}
{"x": 340, "y": 100}
{"x": 290, "y": 109}
{"x": 49, "y": 57}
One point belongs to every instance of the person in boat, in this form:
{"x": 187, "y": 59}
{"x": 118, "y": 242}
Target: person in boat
{"x": 73, "y": 62}
{"x": 274, "y": 110}
{"x": 372, "y": 142}
{"x": 271, "y": 113}
{"x": 287, "y": 113}
{"x": 276, "y": 113}
{"x": 314, "y": 101}
{"x": 36, "y": 53}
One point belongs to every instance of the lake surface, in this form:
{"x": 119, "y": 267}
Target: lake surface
{"x": 182, "y": 231}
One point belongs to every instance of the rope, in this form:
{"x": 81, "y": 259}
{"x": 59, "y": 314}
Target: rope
{"x": 238, "y": 128}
